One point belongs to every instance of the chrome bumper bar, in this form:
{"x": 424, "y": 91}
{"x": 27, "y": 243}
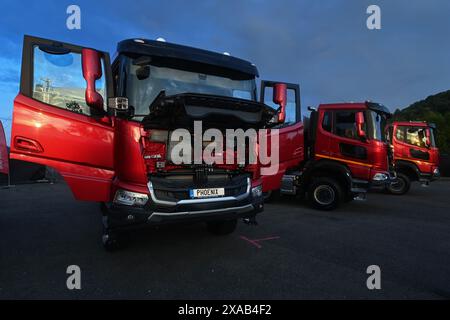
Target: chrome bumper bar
{"x": 237, "y": 210}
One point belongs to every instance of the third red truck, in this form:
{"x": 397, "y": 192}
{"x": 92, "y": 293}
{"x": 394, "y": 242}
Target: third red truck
{"x": 416, "y": 155}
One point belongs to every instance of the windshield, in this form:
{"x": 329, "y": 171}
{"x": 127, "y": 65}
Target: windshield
{"x": 144, "y": 83}
{"x": 377, "y": 125}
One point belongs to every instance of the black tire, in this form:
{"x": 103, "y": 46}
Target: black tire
{"x": 349, "y": 197}
{"x": 115, "y": 241}
{"x": 222, "y": 228}
{"x": 401, "y": 186}
{"x": 267, "y": 196}
{"x": 325, "y": 193}
{"x": 271, "y": 196}
{"x": 112, "y": 240}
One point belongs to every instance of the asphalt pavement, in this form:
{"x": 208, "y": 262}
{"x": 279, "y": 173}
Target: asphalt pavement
{"x": 294, "y": 253}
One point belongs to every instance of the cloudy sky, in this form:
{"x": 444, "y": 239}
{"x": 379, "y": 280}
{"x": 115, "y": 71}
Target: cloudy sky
{"x": 323, "y": 45}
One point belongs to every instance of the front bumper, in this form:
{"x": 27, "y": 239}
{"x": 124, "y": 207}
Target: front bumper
{"x": 391, "y": 177}
{"x": 362, "y": 186}
{"x": 426, "y": 178}
{"x": 436, "y": 174}
{"x": 158, "y": 211}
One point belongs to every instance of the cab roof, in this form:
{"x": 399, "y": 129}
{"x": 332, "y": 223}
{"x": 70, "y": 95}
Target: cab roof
{"x": 181, "y": 52}
{"x": 343, "y": 105}
{"x": 356, "y": 105}
{"x": 414, "y": 123}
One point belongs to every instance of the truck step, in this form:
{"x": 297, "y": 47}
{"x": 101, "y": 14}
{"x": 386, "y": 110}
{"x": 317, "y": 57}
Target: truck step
{"x": 359, "y": 182}
{"x": 358, "y": 190}
{"x": 288, "y": 184}
{"x": 360, "y": 197}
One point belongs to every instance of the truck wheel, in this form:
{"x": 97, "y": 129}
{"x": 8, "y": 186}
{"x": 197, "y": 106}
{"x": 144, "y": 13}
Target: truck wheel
{"x": 222, "y": 228}
{"x": 110, "y": 241}
{"x": 271, "y": 196}
{"x": 325, "y": 194}
{"x": 267, "y": 196}
{"x": 349, "y": 197}
{"x": 401, "y": 186}
{"x": 113, "y": 240}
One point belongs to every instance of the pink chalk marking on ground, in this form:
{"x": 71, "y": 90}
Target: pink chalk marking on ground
{"x": 255, "y": 242}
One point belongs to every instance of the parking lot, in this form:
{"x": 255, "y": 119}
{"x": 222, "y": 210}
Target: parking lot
{"x": 295, "y": 252}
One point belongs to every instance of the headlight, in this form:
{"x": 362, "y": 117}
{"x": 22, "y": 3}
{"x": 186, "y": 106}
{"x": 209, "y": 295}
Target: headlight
{"x": 380, "y": 177}
{"x": 436, "y": 172}
{"x": 257, "y": 191}
{"x": 129, "y": 198}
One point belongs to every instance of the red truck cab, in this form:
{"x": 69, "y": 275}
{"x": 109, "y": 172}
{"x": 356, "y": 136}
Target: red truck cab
{"x": 334, "y": 156}
{"x": 105, "y": 128}
{"x": 416, "y": 155}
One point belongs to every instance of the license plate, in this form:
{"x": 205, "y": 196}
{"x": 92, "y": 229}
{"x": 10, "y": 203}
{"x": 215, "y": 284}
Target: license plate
{"x": 207, "y": 192}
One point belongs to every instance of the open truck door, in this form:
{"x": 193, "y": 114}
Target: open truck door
{"x": 59, "y": 117}
{"x": 289, "y": 125}
{"x": 4, "y": 161}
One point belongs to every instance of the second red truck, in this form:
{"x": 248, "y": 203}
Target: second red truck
{"x": 335, "y": 156}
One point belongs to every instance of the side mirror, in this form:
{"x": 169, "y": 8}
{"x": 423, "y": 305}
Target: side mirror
{"x": 360, "y": 124}
{"x": 280, "y": 98}
{"x": 92, "y": 71}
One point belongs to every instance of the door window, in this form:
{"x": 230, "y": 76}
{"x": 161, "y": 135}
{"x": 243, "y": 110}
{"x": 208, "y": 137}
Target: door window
{"x": 346, "y": 124}
{"x": 416, "y": 136}
{"x": 291, "y": 105}
{"x": 400, "y": 133}
{"x": 326, "y": 122}
{"x": 268, "y": 94}
{"x": 433, "y": 135}
{"x": 292, "y": 101}
{"x": 58, "y": 81}
{"x": 291, "y": 108}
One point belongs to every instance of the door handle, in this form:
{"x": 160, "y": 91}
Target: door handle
{"x": 298, "y": 151}
{"x": 26, "y": 144}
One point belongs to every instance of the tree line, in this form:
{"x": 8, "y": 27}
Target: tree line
{"x": 434, "y": 109}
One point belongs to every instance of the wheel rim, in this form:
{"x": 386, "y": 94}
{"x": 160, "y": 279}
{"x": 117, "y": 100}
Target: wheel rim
{"x": 324, "y": 195}
{"x": 398, "y": 186}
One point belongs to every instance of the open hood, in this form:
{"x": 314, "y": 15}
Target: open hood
{"x": 181, "y": 110}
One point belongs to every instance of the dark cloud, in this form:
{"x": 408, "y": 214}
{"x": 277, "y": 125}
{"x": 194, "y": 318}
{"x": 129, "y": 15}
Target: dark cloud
{"x": 323, "y": 45}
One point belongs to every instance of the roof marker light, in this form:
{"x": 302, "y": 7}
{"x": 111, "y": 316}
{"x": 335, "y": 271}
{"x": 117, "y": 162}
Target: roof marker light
{"x": 161, "y": 39}
{"x": 226, "y": 54}
{"x": 139, "y": 40}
